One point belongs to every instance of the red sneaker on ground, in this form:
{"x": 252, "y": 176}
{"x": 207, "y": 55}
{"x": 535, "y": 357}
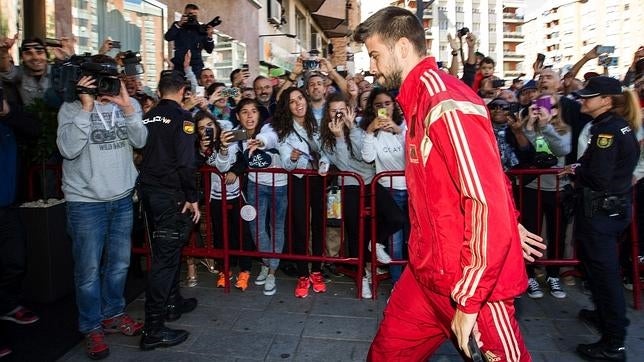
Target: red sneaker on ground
{"x": 317, "y": 279}
{"x": 302, "y": 287}
{"x": 20, "y": 315}
{"x": 122, "y": 323}
{"x": 95, "y": 345}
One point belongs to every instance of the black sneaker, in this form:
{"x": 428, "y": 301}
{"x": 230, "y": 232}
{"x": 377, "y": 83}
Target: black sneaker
{"x": 162, "y": 337}
{"x": 174, "y": 311}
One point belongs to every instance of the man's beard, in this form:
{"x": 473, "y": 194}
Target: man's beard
{"x": 392, "y": 80}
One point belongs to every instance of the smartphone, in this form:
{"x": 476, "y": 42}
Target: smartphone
{"x": 605, "y": 49}
{"x": 230, "y": 92}
{"x": 498, "y": 83}
{"x": 209, "y": 134}
{"x": 116, "y": 44}
{"x": 239, "y": 135}
{"x": 541, "y": 58}
{"x": 200, "y": 91}
{"x": 544, "y": 102}
{"x": 244, "y": 66}
{"x": 382, "y": 112}
{"x": 475, "y": 350}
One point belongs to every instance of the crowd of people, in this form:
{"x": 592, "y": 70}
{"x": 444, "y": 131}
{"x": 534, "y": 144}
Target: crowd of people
{"x": 277, "y": 142}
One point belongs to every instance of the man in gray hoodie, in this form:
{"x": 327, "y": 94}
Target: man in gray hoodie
{"x": 96, "y": 136}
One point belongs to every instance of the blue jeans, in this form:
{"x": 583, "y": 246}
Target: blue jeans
{"x": 399, "y": 239}
{"x": 101, "y": 244}
{"x": 273, "y": 200}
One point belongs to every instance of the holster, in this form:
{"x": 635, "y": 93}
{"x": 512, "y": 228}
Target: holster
{"x": 595, "y": 202}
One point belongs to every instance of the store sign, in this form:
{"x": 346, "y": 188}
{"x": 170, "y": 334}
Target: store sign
{"x": 276, "y": 55}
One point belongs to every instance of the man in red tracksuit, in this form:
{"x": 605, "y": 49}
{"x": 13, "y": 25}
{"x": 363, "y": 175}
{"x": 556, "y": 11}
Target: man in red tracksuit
{"x": 465, "y": 246}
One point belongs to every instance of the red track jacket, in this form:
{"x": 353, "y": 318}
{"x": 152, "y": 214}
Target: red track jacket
{"x": 464, "y": 240}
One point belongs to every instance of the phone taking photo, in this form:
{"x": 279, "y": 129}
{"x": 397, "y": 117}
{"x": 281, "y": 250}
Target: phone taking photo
{"x": 209, "y": 134}
{"x": 545, "y": 102}
{"x": 200, "y": 91}
{"x": 239, "y": 135}
{"x": 382, "y": 112}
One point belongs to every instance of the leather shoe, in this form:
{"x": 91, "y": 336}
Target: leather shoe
{"x": 162, "y": 337}
{"x": 174, "y": 311}
{"x": 602, "y": 351}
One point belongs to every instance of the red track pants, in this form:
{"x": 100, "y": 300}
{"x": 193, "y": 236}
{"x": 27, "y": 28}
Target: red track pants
{"x": 417, "y": 321}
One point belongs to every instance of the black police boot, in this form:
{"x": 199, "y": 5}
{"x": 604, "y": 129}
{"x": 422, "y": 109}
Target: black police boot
{"x": 607, "y": 349}
{"x": 591, "y": 319}
{"x": 156, "y": 334}
{"x": 179, "y": 307}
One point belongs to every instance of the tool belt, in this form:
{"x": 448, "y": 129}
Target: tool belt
{"x": 600, "y": 202}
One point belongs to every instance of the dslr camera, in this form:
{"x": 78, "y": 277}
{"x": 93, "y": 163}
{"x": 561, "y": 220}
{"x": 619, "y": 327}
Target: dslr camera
{"x": 193, "y": 24}
{"x": 65, "y": 76}
{"x": 462, "y": 32}
{"x": 132, "y": 63}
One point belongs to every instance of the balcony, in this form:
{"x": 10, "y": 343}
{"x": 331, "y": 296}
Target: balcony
{"x": 513, "y": 56}
{"x": 512, "y": 18}
{"x": 428, "y": 14}
{"x": 513, "y": 36}
{"x": 428, "y": 34}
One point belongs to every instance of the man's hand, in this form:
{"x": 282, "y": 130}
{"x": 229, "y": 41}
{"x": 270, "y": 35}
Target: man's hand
{"x": 453, "y": 42}
{"x": 122, "y": 100}
{"x": 186, "y": 59}
{"x": 592, "y": 54}
{"x": 106, "y": 46}
{"x": 66, "y": 49}
{"x": 470, "y": 39}
{"x": 463, "y": 325}
{"x": 87, "y": 100}
{"x": 7, "y": 43}
{"x": 531, "y": 244}
{"x": 209, "y": 31}
{"x": 193, "y": 208}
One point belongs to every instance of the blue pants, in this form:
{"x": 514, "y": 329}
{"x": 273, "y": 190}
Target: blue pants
{"x": 273, "y": 200}
{"x": 101, "y": 244}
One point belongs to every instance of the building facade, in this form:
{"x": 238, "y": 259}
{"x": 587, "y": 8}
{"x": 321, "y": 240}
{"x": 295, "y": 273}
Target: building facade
{"x": 266, "y": 34}
{"x": 497, "y": 24}
{"x": 564, "y": 30}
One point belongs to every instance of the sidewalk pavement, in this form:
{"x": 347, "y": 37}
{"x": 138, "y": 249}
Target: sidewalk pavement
{"x": 336, "y": 326}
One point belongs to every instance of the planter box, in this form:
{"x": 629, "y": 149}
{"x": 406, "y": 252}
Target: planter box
{"x": 50, "y": 267}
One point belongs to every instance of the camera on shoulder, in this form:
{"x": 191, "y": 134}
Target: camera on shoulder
{"x": 193, "y": 24}
{"x": 66, "y": 75}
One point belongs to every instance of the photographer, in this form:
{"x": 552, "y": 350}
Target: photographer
{"x": 96, "y": 136}
{"x": 189, "y": 34}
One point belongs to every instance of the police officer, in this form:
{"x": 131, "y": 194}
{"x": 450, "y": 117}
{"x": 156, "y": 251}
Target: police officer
{"x": 168, "y": 190}
{"x": 603, "y": 178}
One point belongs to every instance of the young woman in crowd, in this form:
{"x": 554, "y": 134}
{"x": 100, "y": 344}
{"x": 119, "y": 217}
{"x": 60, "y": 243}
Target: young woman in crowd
{"x": 209, "y": 146}
{"x": 218, "y": 103}
{"x": 384, "y": 144}
{"x": 551, "y": 138}
{"x": 341, "y": 143}
{"x": 299, "y": 148}
{"x": 266, "y": 191}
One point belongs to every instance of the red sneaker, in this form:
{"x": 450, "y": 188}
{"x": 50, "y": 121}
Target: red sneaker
{"x": 317, "y": 279}
{"x": 302, "y": 287}
{"x": 122, "y": 323}
{"x": 95, "y": 345}
{"x": 20, "y": 315}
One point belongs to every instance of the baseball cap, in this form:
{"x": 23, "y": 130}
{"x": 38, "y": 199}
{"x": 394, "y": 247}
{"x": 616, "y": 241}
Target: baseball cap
{"x": 498, "y": 102}
{"x": 600, "y": 86}
{"x": 531, "y": 84}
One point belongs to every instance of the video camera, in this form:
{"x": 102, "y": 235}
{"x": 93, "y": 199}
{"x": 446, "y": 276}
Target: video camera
{"x": 462, "y": 32}
{"x": 193, "y": 24}
{"x": 132, "y": 63}
{"x": 66, "y": 75}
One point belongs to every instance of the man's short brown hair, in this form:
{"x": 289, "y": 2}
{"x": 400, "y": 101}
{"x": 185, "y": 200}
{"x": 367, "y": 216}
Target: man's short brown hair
{"x": 391, "y": 24}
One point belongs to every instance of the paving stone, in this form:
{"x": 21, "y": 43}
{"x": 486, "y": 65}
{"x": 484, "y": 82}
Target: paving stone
{"x": 231, "y": 343}
{"x": 341, "y": 328}
{"x": 270, "y": 322}
{"x": 283, "y": 348}
{"x": 325, "y": 305}
{"x": 320, "y": 349}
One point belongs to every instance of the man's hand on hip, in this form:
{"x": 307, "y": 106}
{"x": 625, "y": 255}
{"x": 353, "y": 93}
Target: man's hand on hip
{"x": 193, "y": 208}
{"x": 463, "y": 325}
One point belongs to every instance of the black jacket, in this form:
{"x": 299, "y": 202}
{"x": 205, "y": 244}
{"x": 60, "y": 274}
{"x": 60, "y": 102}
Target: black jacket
{"x": 191, "y": 39}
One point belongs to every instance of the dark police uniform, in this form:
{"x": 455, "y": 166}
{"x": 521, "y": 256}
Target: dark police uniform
{"x": 603, "y": 180}
{"x": 167, "y": 181}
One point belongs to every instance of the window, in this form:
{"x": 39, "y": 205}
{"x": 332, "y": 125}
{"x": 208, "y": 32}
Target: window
{"x": 300, "y": 26}
{"x": 443, "y": 24}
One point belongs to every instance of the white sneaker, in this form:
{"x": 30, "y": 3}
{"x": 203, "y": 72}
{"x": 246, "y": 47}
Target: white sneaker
{"x": 381, "y": 254}
{"x": 261, "y": 278}
{"x": 534, "y": 290}
{"x": 366, "y": 288}
{"x": 555, "y": 288}
{"x": 269, "y": 285}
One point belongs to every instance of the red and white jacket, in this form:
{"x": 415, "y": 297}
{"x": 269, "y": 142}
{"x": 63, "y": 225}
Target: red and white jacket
{"x": 464, "y": 240}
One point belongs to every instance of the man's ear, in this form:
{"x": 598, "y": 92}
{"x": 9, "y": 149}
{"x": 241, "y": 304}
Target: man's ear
{"x": 404, "y": 47}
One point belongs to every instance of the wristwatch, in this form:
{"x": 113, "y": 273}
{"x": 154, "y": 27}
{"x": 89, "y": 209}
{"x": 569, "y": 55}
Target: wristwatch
{"x": 454, "y": 53}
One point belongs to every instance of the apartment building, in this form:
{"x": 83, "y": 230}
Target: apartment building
{"x": 497, "y": 23}
{"x": 565, "y": 30}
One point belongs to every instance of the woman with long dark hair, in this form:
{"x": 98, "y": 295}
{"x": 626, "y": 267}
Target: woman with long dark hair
{"x": 384, "y": 144}
{"x": 299, "y": 148}
{"x": 342, "y": 141}
{"x": 266, "y": 191}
